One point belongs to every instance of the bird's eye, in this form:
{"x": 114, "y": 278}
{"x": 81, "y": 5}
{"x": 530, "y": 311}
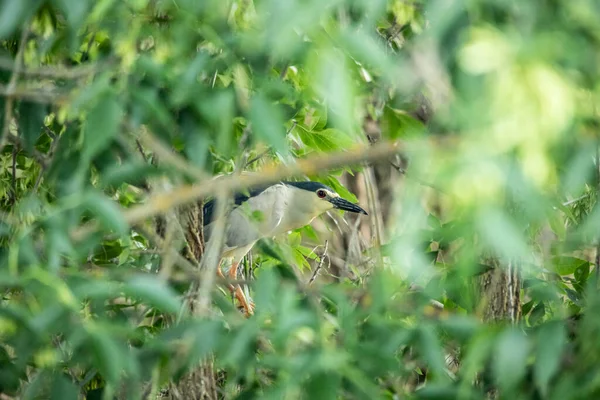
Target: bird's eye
{"x": 321, "y": 193}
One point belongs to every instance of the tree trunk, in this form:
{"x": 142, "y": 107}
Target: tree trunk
{"x": 500, "y": 298}
{"x": 500, "y": 292}
{"x": 200, "y": 383}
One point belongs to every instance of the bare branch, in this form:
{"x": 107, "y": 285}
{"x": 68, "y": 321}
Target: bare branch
{"x": 141, "y": 149}
{"x": 47, "y": 161}
{"x": 39, "y": 157}
{"x": 190, "y": 269}
{"x": 161, "y": 202}
{"x": 268, "y": 149}
{"x": 13, "y": 195}
{"x": 258, "y": 157}
{"x": 419, "y": 181}
{"x": 35, "y": 95}
{"x": 175, "y": 160}
{"x": 597, "y": 258}
{"x": 320, "y": 265}
{"x": 8, "y": 105}
{"x": 167, "y": 258}
{"x": 77, "y": 72}
{"x": 212, "y": 255}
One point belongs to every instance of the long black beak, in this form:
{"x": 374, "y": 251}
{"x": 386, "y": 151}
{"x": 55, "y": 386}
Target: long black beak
{"x": 345, "y": 205}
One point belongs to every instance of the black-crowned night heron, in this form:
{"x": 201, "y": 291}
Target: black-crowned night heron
{"x": 268, "y": 211}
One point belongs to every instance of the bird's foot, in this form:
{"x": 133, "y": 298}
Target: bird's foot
{"x": 246, "y": 305}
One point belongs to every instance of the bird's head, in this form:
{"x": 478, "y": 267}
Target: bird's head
{"x": 321, "y": 198}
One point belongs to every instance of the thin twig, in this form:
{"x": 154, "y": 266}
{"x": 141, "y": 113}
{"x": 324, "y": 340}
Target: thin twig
{"x": 55, "y": 72}
{"x": 8, "y": 218}
{"x": 242, "y": 161}
{"x": 419, "y": 181}
{"x": 85, "y": 55}
{"x": 283, "y": 72}
{"x": 159, "y": 203}
{"x": 39, "y": 157}
{"x": 214, "y": 79}
{"x": 51, "y": 153}
{"x": 320, "y": 265}
{"x": 175, "y": 160}
{"x": 35, "y": 95}
{"x": 50, "y": 132}
{"x": 569, "y": 202}
{"x": 190, "y": 269}
{"x": 598, "y": 195}
{"x": 12, "y": 84}
{"x": 13, "y": 196}
{"x": 141, "y": 149}
{"x": 268, "y": 149}
{"x": 167, "y": 258}
{"x": 258, "y": 157}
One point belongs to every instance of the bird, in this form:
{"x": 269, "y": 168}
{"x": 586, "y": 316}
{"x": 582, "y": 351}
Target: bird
{"x": 267, "y": 211}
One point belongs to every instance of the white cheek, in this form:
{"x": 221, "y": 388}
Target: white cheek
{"x": 324, "y": 205}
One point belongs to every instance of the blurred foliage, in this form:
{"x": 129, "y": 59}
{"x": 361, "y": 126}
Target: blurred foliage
{"x": 510, "y": 158}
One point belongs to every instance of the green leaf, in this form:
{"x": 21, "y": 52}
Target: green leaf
{"x": 74, "y": 10}
{"x": 267, "y": 123}
{"x": 220, "y": 112}
{"x": 327, "y": 140}
{"x": 12, "y": 14}
{"x": 510, "y": 361}
{"x": 101, "y": 127}
{"x": 197, "y": 145}
{"x": 108, "y": 355}
{"x": 398, "y": 124}
{"x": 300, "y": 260}
{"x": 476, "y": 356}
{"x": 31, "y": 120}
{"x": 551, "y": 341}
{"x": 294, "y": 239}
{"x": 567, "y": 265}
{"x": 134, "y": 173}
{"x": 323, "y": 385}
{"x": 63, "y": 388}
{"x": 153, "y": 291}
{"x": 340, "y": 189}
{"x": 333, "y": 82}
{"x": 431, "y": 349}
{"x": 107, "y": 211}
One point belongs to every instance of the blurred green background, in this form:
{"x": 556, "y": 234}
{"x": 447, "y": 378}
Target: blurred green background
{"x": 475, "y": 275}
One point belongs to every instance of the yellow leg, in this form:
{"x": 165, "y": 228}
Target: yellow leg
{"x": 236, "y": 290}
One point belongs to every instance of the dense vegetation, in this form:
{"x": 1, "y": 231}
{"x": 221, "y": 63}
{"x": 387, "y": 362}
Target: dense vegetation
{"x": 468, "y": 130}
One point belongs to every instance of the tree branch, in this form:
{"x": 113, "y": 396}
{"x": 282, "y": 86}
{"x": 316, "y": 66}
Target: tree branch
{"x": 81, "y": 71}
{"x": 8, "y": 105}
{"x": 51, "y": 152}
{"x": 320, "y": 265}
{"x": 162, "y": 202}
{"x": 165, "y": 155}
{"x": 35, "y": 95}
{"x": 212, "y": 255}
{"x": 13, "y": 196}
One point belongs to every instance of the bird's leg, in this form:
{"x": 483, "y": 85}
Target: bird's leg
{"x": 220, "y": 275}
{"x": 231, "y": 288}
{"x": 248, "y": 306}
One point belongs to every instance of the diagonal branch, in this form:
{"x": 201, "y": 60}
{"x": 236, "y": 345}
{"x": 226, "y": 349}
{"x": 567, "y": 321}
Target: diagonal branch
{"x": 162, "y": 202}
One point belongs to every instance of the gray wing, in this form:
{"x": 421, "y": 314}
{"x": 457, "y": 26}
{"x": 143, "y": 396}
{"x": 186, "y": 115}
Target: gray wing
{"x": 257, "y": 217}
